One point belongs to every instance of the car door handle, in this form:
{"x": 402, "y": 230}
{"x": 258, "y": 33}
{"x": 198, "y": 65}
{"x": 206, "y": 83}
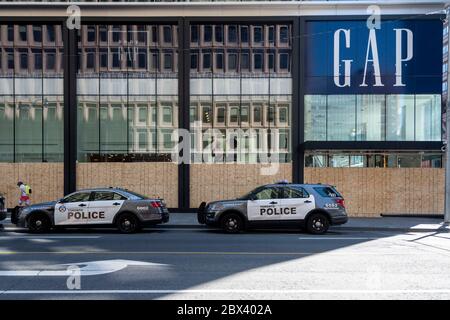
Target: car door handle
{"x": 273, "y": 202}
{"x": 82, "y": 205}
{"x": 307, "y": 201}
{"x": 116, "y": 204}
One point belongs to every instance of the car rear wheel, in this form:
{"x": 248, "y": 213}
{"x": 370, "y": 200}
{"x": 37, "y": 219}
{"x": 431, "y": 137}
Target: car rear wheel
{"x": 39, "y": 223}
{"x": 127, "y": 223}
{"x": 317, "y": 223}
{"x": 232, "y": 223}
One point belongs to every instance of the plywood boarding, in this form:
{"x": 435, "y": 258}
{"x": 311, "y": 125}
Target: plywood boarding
{"x": 46, "y": 181}
{"x": 211, "y": 182}
{"x": 372, "y": 191}
{"x": 154, "y": 179}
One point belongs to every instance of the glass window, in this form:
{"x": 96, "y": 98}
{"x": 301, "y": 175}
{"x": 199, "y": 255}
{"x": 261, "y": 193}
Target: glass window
{"x": 232, "y": 62}
{"x": 232, "y": 34}
{"x": 168, "y": 61}
{"x": 221, "y": 115}
{"x": 245, "y": 63}
{"x": 103, "y": 32}
{"x": 51, "y": 33}
{"x": 315, "y": 117}
{"x": 327, "y": 192}
{"x": 257, "y": 34}
{"x": 234, "y": 114}
{"x": 6, "y": 129}
{"x": 428, "y": 117}
{"x": 142, "y": 58}
{"x": 283, "y": 139}
{"x": 167, "y": 115}
{"x": 244, "y": 34}
{"x": 23, "y": 55}
{"x": 316, "y": 161}
{"x": 267, "y": 194}
{"x": 206, "y": 61}
{"x": 341, "y": 118}
{"x": 207, "y": 33}
{"x": 283, "y": 114}
{"x": 294, "y": 192}
{"x": 91, "y": 33}
{"x": 103, "y": 57}
{"x": 116, "y": 30}
{"x": 37, "y": 33}
{"x": 107, "y": 196}
{"x": 257, "y": 114}
{"x": 284, "y": 61}
{"x": 167, "y": 36}
{"x": 194, "y": 61}
{"x": 28, "y": 129}
{"x": 10, "y": 58}
{"x": 77, "y": 197}
{"x": 219, "y": 60}
{"x": 115, "y": 57}
{"x": 257, "y": 61}
{"x": 194, "y": 33}
{"x": 284, "y": 34}
{"x": 37, "y": 59}
{"x": 206, "y": 114}
{"x": 271, "y": 35}
{"x": 244, "y": 113}
{"x": 400, "y": 117}
{"x": 155, "y": 35}
{"x": 218, "y": 35}
{"x": 50, "y": 59}
{"x": 370, "y": 117}
{"x": 10, "y": 33}
{"x": 22, "y": 33}
{"x": 339, "y": 161}
{"x": 271, "y": 61}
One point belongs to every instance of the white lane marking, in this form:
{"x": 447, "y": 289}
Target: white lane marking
{"x": 25, "y": 237}
{"x": 443, "y": 291}
{"x": 90, "y": 268}
{"x": 340, "y": 238}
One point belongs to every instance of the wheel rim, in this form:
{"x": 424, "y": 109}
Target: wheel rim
{"x": 318, "y": 223}
{"x": 127, "y": 224}
{"x": 232, "y": 224}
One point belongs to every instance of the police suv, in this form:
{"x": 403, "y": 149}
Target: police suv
{"x": 311, "y": 206}
{"x": 126, "y": 210}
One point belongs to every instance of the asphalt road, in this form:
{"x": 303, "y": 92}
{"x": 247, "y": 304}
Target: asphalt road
{"x": 199, "y": 263}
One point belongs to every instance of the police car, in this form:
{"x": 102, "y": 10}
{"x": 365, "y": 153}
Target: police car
{"x": 311, "y": 206}
{"x": 126, "y": 210}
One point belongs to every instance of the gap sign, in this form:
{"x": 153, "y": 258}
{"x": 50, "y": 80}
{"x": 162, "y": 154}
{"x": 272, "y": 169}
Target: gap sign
{"x": 345, "y": 57}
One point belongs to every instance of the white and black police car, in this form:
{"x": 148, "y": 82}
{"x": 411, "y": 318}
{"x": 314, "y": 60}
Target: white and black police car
{"x": 313, "y": 207}
{"x": 100, "y": 207}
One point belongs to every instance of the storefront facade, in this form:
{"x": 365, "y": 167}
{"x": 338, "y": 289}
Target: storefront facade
{"x": 303, "y": 92}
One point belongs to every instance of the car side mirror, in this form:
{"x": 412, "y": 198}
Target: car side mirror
{"x": 61, "y": 200}
{"x": 252, "y": 197}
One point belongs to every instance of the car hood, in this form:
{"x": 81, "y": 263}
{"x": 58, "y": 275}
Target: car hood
{"x": 43, "y": 205}
{"x": 226, "y": 201}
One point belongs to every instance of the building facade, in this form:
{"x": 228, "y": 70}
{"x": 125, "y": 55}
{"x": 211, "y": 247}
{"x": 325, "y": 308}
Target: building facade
{"x": 245, "y": 93}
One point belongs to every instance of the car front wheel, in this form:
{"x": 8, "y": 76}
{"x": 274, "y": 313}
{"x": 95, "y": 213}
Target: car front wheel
{"x": 39, "y": 223}
{"x": 232, "y": 223}
{"x": 317, "y": 223}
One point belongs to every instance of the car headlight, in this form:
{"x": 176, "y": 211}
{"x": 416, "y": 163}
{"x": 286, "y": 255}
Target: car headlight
{"x": 215, "y": 207}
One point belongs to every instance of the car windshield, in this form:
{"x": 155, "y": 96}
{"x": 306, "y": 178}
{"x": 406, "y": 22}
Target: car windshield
{"x": 247, "y": 195}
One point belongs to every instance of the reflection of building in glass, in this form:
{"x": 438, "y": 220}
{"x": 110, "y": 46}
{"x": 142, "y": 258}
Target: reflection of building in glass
{"x": 127, "y": 92}
{"x": 31, "y": 93}
{"x": 240, "y": 78}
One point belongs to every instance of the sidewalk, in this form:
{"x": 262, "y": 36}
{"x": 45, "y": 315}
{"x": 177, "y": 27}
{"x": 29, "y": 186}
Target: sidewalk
{"x": 413, "y": 224}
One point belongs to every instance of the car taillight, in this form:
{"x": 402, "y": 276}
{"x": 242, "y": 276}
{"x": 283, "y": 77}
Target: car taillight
{"x": 155, "y": 204}
{"x": 340, "y": 202}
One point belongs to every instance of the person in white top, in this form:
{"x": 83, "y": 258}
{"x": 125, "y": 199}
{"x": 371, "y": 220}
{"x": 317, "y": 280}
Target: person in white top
{"x": 24, "y": 196}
